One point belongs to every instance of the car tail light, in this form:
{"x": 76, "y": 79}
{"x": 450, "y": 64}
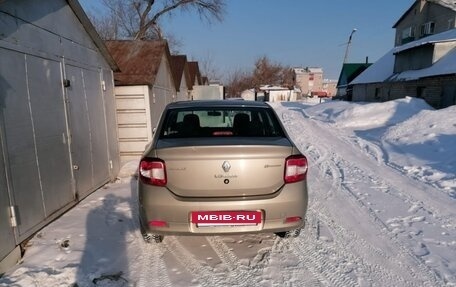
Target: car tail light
{"x": 295, "y": 168}
{"x": 153, "y": 171}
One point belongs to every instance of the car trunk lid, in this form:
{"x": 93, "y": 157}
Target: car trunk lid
{"x": 225, "y": 171}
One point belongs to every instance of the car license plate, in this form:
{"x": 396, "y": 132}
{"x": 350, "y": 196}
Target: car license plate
{"x": 225, "y": 218}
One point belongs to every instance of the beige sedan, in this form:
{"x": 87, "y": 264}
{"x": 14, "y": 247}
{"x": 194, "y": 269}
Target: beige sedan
{"x": 221, "y": 167}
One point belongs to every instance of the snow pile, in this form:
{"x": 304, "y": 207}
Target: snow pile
{"x": 425, "y": 147}
{"x": 368, "y": 115}
{"x": 417, "y": 139}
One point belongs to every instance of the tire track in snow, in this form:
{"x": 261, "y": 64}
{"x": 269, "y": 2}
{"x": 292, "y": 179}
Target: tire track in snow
{"x": 405, "y": 251}
{"x": 153, "y": 272}
{"x": 204, "y": 274}
{"x": 323, "y": 263}
{"x": 291, "y": 274}
{"x": 430, "y": 277}
{"x": 338, "y": 177}
{"x": 375, "y": 272}
{"x": 239, "y": 274}
{"x": 153, "y": 268}
{"x": 260, "y": 266}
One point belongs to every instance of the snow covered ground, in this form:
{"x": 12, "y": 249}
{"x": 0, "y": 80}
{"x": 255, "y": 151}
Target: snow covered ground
{"x": 382, "y": 212}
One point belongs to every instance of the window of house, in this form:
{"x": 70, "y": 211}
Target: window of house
{"x": 419, "y": 92}
{"x": 427, "y": 28}
{"x": 377, "y": 93}
{"x": 408, "y": 33}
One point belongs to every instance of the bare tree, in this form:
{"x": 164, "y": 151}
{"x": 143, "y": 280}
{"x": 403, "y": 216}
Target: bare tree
{"x": 140, "y": 19}
{"x": 209, "y": 68}
{"x": 238, "y": 82}
{"x": 107, "y": 26}
{"x": 264, "y": 73}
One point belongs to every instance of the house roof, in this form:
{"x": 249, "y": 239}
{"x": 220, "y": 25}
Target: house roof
{"x": 85, "y": 21}
{"x": 450, "y": 4}
{"x": 138, "y": 60}
{"x": 308, "y": 70}
{"x": 383, "y": 69}
{"x": 194, "y": 72}
{"x": 350, "y": 71}
{"x": 179, "y": 67}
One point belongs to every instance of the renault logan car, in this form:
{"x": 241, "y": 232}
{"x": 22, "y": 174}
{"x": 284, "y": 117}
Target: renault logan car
{"x": 221, "y": 167}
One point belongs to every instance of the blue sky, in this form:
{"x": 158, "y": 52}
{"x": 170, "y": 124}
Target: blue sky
{"x": 297, "y": 33}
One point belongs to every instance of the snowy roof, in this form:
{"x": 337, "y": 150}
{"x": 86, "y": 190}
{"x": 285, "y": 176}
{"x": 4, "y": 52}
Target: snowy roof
{"x": 450, "y": 4}
{"x": 383, "y": 69}
{"x": 315, "y": 70}
{"x": 308, "y": 70}
{"x": 273, "y": 88}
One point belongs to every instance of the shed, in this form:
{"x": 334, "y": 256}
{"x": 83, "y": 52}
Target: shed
{"x": 181, "y": 75}
{"x": 348, "y": 73}
{"x": 195, "y": 74}
{"x": 279, "y": 93}
{"x": 144, "y": 86}
{"x": 57, "y": 116}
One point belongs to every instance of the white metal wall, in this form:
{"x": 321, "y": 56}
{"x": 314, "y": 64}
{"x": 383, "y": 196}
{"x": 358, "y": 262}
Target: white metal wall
{"x": 183, "y": 94}
{"x": 163, "y": 91}
{"x": 138, "y": 110}
{"x": 134, "y": 120}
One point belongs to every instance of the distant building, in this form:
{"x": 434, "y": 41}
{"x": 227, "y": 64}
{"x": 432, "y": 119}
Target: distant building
{"x": 308, "y": 80}
{"x": 329, "y": 87}
{"x": 279, "y": 94}
{"x": 252, "y": 95}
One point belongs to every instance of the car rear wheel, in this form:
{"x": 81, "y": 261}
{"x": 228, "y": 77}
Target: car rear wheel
{"x": 289, "y": 234}
{"x": 152, "y": 238}
{"x": 148, "y": 237}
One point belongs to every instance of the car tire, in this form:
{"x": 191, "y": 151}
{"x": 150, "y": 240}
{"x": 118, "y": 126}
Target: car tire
{"x": 152, "y": 238}
{"x": 148, "y": 237}
{"x": 290, "y": 233}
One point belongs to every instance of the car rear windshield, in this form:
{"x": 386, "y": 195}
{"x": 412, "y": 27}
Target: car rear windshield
{"x": 221, "y": 122}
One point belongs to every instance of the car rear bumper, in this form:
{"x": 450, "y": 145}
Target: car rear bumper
{"x": 174, "y": 213}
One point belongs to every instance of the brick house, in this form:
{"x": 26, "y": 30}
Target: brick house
{"x": 308, "y": 80}
{"x": 424, "y": 18}
{"x": 423, "y": 66}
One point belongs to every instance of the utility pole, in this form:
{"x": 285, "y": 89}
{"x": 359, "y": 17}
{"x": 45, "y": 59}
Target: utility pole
{"x": 348, "y": 44}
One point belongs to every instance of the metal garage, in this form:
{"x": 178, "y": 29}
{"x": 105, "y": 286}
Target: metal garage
{"x": 57, "y": 117}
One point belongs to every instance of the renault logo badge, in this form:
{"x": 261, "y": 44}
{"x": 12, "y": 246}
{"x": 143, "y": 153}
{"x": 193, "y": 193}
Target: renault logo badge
{"x": 226, "y": 166}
